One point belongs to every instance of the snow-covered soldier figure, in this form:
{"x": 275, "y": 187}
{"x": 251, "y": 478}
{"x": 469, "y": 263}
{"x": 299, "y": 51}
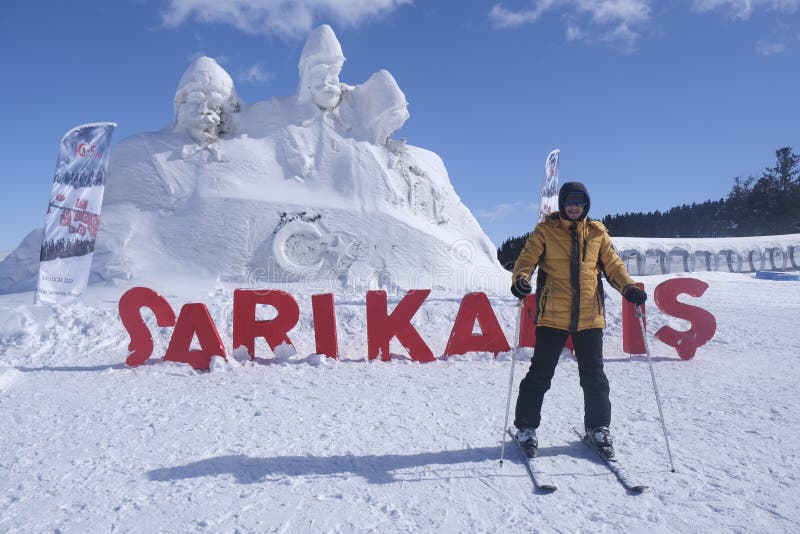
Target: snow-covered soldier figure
{"x": 205, "y": 104}
{"x": 571, "y": 251}
{"x": 320, "y": 65}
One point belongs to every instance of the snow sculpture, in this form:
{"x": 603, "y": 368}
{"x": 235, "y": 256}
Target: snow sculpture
{"x": 205, "y": 104}
{"x": 20, "y": 269}
{"x": 320, "y": 64}
{"x": 312, "y": 190}
{"x": 374, "y": 110}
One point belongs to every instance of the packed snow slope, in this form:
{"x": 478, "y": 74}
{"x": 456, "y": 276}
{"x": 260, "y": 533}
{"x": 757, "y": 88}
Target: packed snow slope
{"x": 314, "y": 445}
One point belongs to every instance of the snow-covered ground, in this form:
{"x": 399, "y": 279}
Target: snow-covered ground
{"x": 315, "y": 445}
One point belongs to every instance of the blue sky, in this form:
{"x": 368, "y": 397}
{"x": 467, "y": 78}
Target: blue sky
{"x": 653, "y": 104}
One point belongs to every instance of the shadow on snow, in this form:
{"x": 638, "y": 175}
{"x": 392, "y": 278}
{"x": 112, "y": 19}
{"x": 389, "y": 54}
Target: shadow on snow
{"x": 376, "y": 469}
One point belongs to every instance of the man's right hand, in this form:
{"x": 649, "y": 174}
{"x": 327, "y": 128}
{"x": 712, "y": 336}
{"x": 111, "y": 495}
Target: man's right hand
{"x": 521, "y": 288}
{"x": 635, "y": 295}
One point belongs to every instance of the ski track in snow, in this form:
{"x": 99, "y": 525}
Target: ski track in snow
{"x": 313, "y": 445}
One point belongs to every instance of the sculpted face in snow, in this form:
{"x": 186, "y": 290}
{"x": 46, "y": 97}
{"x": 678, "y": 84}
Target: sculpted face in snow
{"x": 205, "y": 101}
{"x": 374, "y": 110}
{"x": 320, "y": 64}
{"x": 369, "y": 112}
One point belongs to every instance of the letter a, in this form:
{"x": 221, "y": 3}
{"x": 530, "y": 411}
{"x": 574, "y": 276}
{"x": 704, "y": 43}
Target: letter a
{"x": 476, "y": 307}
{"x": 194, "y": 319}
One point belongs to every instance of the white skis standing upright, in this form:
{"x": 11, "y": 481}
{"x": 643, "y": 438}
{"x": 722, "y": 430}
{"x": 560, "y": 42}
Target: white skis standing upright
{"x": 549, "y": 197}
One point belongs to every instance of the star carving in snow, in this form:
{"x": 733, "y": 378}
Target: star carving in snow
{"x": 343, "y": 246}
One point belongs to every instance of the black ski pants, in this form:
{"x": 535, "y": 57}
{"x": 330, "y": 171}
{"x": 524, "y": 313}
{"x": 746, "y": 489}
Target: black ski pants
{"x": 588, "y": 346}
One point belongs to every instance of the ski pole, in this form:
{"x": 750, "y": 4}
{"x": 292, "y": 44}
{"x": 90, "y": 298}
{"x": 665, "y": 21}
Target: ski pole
{"x": 655, "y": 387}
{"x": 511, "y": 380}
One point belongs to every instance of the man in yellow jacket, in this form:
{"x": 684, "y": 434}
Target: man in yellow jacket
{"x": 571, "y": 252}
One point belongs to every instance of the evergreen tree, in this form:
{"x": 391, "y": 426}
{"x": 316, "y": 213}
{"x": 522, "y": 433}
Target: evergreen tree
{"x": 784, "y": 191}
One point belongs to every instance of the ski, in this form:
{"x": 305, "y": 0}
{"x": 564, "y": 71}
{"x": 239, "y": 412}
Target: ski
{"x": 537, "y": 485}
{"x": 615, "y": 466}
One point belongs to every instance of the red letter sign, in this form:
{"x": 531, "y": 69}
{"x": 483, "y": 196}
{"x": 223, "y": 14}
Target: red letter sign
{"x": 381, "y": 328}
{"x": 245, "y": 326}
{"x": 194, "y": 319}
{"x": 130, "y": 305}
{"x": 632, "y": 340}
{"x": 703, "y": 323}
{"x": 325, "y": 325}
{"x": 476, "y": 306}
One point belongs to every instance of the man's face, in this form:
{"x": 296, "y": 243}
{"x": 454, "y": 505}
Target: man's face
{"x": 575, "y": 204}
{"x": 201, "y": 114}
{"x": 323, "y": 81}
{"x": 573, "y": 211}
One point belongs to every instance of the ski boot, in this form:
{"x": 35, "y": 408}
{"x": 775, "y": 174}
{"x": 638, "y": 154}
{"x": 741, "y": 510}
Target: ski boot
{"x": 526, "y": 436}
{"x": 600, "y": 438}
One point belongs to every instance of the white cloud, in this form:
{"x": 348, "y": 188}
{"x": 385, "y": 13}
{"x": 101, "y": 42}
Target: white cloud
{"x": 574, "y": 32}
{"x": 742, "y": 9}
{"x": 613, "y": 20}
{"x": 499, "y": 211}
{"x": 255, "y": 74}
{"x": 287, "y": 18}
{"x": 769, "y": 49}
{"x": 505, "y": 18}
{"x": 615, "y": 12}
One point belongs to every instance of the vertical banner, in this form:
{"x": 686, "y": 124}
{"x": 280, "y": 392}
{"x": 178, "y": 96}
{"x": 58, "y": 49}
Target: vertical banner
{"x": 73, "y": 214}
{"x": 549, "y": 199}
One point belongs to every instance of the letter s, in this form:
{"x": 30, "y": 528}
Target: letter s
{"x": 703, "y": 324}
{"x": 130, "y": 305}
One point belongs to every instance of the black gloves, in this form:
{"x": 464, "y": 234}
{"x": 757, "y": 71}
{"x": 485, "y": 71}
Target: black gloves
{"x": 635, "y": 295}
{"x": 521, "y": 288}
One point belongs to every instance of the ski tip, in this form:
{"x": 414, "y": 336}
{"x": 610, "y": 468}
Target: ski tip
{"x": 638, "y": 489}
{"x": 547, "y": 488}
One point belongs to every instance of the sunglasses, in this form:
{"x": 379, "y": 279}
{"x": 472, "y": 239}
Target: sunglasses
{"x": 576, "y": 200}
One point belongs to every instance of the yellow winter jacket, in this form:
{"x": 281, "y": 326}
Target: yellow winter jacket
{"x": 571, "y": 256}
